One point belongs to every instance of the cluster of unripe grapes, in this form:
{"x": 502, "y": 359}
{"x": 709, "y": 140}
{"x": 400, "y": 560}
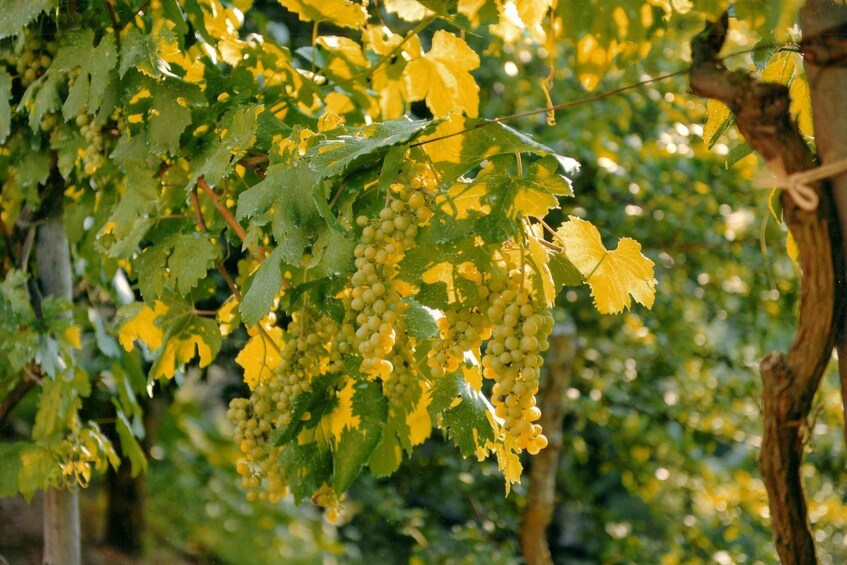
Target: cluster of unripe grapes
{"x": 307, "y": 352}
{"x": 32, "y": 61}
{"x": 504, "y": 319}
{"x": 513, "y": 358}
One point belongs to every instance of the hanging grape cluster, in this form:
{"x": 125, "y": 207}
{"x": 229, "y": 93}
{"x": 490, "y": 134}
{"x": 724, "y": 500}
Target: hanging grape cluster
{"x": 504, "y": 314}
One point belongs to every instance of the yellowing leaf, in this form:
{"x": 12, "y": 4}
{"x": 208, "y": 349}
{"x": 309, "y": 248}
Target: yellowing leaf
{"x": 261, "y": 355}
{"x": 801, "y": 104}
{"x": 517, "y": 16}
{"x": 462, "y": 198}
{"x": 408, "y": 10}
{"x": 717, "y": 114}
{"x": 180, "y": 350}
{"x": 338, "y": 12}
{"x": 612, "y": 275}
{"x": 73, "y": 336}
{"x": 419, "y": 422}
{"x": 143, "y": 326}
{"x": 342, "y": 417}
{"x": 442, "y": 76}
{"x": 791, "y": 247}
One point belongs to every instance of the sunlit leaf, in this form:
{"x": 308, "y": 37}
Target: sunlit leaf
{"x": 612, "y": 275}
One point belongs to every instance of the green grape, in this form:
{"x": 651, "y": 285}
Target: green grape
{"x": 307, "y": 352}
{"x": 374, "y": 302}
{"x": 513, "y": 359}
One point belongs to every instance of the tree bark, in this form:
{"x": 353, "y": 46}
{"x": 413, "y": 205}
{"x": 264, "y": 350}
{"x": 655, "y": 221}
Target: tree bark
{"x": 541, "y": 495}
{"x": 823, "y": 23}
{"x": 61, "y": 507}
{"x": 789, "y": 381}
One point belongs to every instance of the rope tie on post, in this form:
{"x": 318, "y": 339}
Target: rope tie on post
{"x": 798, "y": 185}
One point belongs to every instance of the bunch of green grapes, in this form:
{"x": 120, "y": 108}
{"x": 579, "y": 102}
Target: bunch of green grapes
{"x": 374, "y": 302}
{"x": 307, "y": 352}
{"x": 521, "y": 327}
{"x": 93, "y": 156}
{"x": 33, "y": 60}
{"x": 460, "y": 331}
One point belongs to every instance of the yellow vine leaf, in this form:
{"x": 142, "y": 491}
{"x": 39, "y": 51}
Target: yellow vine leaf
{"x": 178, "y": 351}
{"x": 73, "y": 336}
{"x": 338, "y": 12}
{"x": 260, "y": 355}
{"x": 408, "y": 10}
{"x": 517, "y": 16}
{"x": 342, "y": 417}
{"x": 419, "y": 422}
{"x": 612, "y": 275}
{"x": 791, "y": 247}
{"x": 143, "y": 327}
{"x": 442, "y": 76}
{"x": 716, "y": 114}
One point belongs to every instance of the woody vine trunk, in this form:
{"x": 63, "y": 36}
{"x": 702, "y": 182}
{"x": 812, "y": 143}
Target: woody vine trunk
{"x": 790, "y": 380}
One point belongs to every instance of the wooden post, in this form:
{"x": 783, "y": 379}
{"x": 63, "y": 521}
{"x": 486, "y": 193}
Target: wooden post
{"x": 541, "y": 495}
{"x": 61, "y": 507}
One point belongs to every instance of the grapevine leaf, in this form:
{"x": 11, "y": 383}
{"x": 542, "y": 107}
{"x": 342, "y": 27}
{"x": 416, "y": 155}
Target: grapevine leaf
{"x": 173, "y": 13}
{"x": 130, "y": 219}
{"x": 5, "y": 107}
{"x": 388, "y": 453}
{"x": 41, "y": 97}
{"x": 129, "y": 443}
{"x": 340, "y": 155}
{"x": 314, "y": 402}
{"x": 95, "y": 66}
{"x": 530, "y": 195}
{"x": 261, "y": 355}
{"x": 305, "y": 467}
{"x": 238, "y": 133}
{"x": 264, "y": 287}
{"x": 563, "y": 271}
{"x": 466, "y": 423}
{"x": 342, "y": 13}
{"x": 442, "y": 76}
{"x": 10, "y": 455}
{"x": 357, "y": 443}
{"x": 152, "y": 273}
{"x": 171, "y": 117}
{"x": 15, "y": 15}
{"x": 459, "y": 144}
{"x": 184, "y": 333}
{"x": 140, "y": 323}
{"x": 391, "y": 166}
{"x": 336, "y": 253}
{"x": 612, "y": 275}
{"x": 141, "y": 50}
{"x": 420, "y": 322}
{"x": 193, "y": 255}
{"x": 718, "y": 119}
{"x": 289, "y": 189}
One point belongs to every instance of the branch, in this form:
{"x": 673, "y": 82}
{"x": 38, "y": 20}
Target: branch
{"x": 227, "y": 215}
{"x": 14, "y": 397}
{"x": 790, "y": 381}
{"x": 116, "y": 25}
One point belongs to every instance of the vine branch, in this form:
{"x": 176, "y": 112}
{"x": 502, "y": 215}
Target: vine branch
{"x": 762, "y": 113}
{"x": 227, "y": 215}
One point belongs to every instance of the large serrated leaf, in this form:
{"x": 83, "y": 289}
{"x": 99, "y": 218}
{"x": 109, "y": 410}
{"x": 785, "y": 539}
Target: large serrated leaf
{"x": 315, "y": 401}
{"x": 264, "y": 287}
{"x": 16, "y": 15}
{"x": 356, "y": 446}
{"x": 305, "y": 467}
{"x": 466, "y": 424}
